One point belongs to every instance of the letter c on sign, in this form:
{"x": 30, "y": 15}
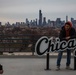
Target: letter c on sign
{"x": 40, "y": 42}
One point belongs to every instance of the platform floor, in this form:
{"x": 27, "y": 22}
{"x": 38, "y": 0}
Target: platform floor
{"x": 34, "y": 66}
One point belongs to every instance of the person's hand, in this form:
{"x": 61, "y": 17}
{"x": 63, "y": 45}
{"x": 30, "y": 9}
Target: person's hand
{"x": 67, "y": 38}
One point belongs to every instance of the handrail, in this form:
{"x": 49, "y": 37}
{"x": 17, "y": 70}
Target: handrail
{"x": 19, "y": 43}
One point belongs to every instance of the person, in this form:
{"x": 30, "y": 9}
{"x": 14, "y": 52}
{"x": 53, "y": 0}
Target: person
{"x": 1, "y": 69}
{"x": 67, "y": 32}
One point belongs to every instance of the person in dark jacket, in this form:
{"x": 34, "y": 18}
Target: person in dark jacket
{"x": 67, "y": 32}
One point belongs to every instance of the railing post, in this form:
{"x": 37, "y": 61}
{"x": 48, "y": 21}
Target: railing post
{"x": 47, "y": 62}
{"x": 75, "y": 60}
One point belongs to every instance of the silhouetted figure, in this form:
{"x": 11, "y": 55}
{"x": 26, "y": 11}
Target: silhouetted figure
{"x": 1, "y": 69}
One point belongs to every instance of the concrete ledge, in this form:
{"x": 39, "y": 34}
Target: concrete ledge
{"x": 29, "y": 56}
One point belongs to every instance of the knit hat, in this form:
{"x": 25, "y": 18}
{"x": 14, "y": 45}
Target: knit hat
{"x": 69, "y": 23}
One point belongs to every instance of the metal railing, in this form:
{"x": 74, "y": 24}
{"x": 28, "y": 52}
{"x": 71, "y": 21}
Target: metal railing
{"x": 18, "y": 43}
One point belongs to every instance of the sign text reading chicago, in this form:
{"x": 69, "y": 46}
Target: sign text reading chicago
{"x": 45, "y": 45}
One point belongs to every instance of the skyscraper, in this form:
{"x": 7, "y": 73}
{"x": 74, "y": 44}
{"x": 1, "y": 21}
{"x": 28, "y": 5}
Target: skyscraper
{"x": 27, "y": 21}
{"x": 66, "y": 18}
{"x": 72, "y": 19}
{"x": 44, "y": 21}
{"x": 40, "y": 17}
{"x": 0, "y": 23}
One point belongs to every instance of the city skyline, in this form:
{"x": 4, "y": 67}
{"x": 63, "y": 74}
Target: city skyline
{"x": 18, "y": 10}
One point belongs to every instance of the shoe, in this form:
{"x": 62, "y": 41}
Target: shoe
{"x": 1, "y": 71}
{"x": 68, "y": 68}
{"x": 58, "y": 68}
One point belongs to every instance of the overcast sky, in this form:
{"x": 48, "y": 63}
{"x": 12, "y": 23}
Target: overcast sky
{"x": 19, "y": 10}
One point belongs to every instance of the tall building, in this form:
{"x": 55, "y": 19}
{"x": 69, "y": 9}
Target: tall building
{"x": 36, "y": 21}
{"x": 72, "y": 19}
{"x": 0, "y": 23}
{"x": 27, "y": 21}
{"x": 40, "y": 17}
{"x": 66, "y": 18}
{"x": 44, "y": 21}
{"x": 58, "y": 22}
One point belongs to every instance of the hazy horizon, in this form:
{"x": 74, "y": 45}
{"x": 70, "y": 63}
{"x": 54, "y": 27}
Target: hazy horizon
{"x": 18, "y": 10}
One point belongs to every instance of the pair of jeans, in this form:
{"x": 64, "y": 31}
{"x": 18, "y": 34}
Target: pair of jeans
{"x": 60, "y": 57}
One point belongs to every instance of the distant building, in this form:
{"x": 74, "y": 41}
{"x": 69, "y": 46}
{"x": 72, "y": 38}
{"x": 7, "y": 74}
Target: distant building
{"x": 36, "y": 22}
{"x": 27, "y": 21}
{"x": 7, "y": 24}
{"x": 74, "y": 23}
{"x": 40, "y": 17}
{"x": 58, "y": 22}
{"x": 0, "y": 23}
{"x": 17, "y": 24}
{"x": 72, "y": 19}
{"x": 44, "y": 21}
{"x": 66, "y": 18}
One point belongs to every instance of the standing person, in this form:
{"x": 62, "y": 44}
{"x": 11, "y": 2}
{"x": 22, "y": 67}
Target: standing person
{"x": 67, "y": 32}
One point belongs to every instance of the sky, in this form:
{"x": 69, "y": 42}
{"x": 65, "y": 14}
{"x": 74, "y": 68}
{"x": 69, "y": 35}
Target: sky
{"x": 18, "y": 10}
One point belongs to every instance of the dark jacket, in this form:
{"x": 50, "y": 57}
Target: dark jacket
{"x": 62, "y": 34}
